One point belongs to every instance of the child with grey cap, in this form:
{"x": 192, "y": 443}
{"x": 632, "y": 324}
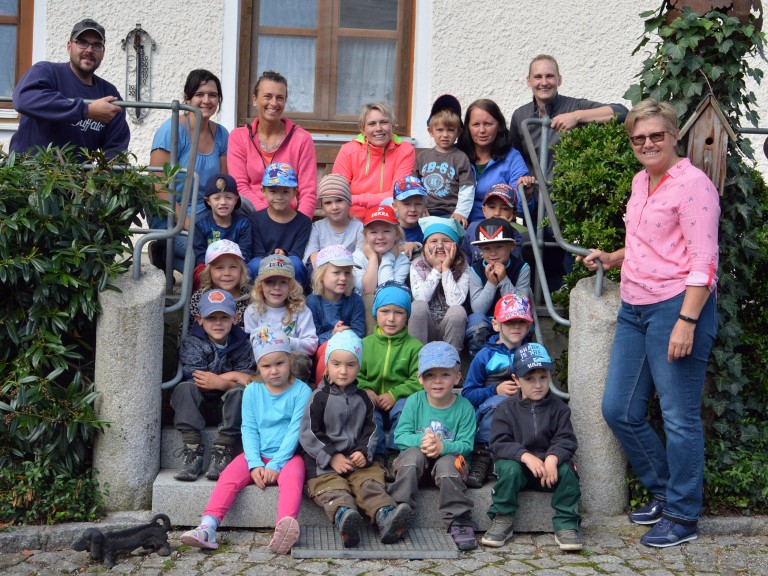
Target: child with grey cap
{"x": 272, "y": 411}
{"x": 436, "y": 433}
{"x": 533, "y": 446}
{"x": 338, "y": 434}
{"x": 216, "y": 361}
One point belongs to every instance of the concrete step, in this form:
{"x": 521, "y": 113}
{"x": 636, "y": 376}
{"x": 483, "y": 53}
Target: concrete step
{"x": 184, "y": 503}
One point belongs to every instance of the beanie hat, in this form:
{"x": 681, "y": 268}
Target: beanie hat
{"x": 395, "y": 293}
{"x": 347, "y": 340}
{"x": 334, "y": 186}
{"x": 448, "y": 226}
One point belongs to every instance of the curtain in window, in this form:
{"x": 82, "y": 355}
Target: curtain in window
{"x": 366, "y": 73}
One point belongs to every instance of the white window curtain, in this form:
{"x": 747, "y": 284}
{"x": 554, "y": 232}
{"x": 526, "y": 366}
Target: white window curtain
{"x": 366, "y": 73}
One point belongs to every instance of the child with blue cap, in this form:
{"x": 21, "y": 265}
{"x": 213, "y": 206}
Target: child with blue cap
{"x": 338, "y": 434}
{"x": 436, "y": 433}
{"x": 390, "y": 363}
{"x": 279, "y": 228}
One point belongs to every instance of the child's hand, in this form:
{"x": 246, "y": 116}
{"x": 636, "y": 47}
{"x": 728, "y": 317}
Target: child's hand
{"x": 550, "y": 471}
{"x": 408, "y": 249}
{"x": 461, "y": 219}
{"x": 385, "y": 401}
{"x": 369, "y": 253}
{"x": 341, "y": 464}
{"x": 534, "y": 463}
{"x": 280, "y": 251}
{"x": 210, "y": 381}
{"x": 270, "y": 476}
{"x": 257, "y": 474}
{"x": 495, "y": 272}
{"x": 373, "y": 396}
{"x": 340, "y": 327}
{"x": 450, "y": 256}
{"x": 507, "y": 388}
{"x": 358, "y": 459}
{"x": 431, "y": 445}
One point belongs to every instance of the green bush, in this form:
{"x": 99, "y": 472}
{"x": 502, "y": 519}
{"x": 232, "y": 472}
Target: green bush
{"x": 591, "y": 183}
{"x": 64, "y": 236}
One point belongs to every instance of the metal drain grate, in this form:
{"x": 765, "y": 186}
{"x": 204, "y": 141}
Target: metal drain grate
{"x": 419, "y": 543}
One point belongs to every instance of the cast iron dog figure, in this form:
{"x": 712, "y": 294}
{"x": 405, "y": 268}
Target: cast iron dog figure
{"x": 104, "y": 546}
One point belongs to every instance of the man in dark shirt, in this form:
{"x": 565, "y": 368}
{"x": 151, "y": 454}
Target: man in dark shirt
{"x": 544, "y": 79}
{"x": 50, "y": 98}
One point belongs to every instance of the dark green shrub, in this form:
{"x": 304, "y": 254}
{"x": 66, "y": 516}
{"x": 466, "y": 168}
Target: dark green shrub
{"x": 592, "y": 179}
{"x": 64, "y": 235}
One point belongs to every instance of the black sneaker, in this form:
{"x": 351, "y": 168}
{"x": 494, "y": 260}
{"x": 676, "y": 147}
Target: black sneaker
{"x": 393, "y": 522}
{"x": 463, "y": 537}
{"x": 648, "y": 514}
{"x": 220, "y": 458}
{"x": 350, "y": 525}
{"x": 480, "y": 468}
{"x": 192, "y": 462}
{"x": 500, "y": 531}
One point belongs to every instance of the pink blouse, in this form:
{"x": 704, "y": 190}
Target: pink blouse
{"x": 671, "y": 239}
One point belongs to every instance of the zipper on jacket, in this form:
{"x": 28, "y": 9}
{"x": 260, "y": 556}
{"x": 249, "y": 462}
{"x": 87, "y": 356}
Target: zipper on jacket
{"x": 385, "y": 373}
{"x": 381, "y": 171}
{"x": 367, "y": 158}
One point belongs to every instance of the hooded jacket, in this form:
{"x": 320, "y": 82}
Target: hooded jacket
{"x": 390, "y": 364}
{"x": 246, "y": 164}
{"x": 373, "y": 171}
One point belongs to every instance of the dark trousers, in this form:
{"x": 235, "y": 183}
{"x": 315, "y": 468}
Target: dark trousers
{"x": 514, "y": 476}
{"x": 191, "y": 406}
{"x": 449, "y": 473}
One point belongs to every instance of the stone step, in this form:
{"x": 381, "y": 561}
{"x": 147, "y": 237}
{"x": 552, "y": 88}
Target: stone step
{"x": 184, "y": 503}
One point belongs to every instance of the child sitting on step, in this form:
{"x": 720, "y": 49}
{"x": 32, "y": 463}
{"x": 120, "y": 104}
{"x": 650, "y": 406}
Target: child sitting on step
{"x": 272, "y": 411}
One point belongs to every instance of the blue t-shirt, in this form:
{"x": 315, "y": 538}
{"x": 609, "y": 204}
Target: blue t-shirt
{"x": 206, "y": 165}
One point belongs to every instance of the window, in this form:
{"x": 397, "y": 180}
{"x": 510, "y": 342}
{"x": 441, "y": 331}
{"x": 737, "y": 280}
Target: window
{"x": 15, "y": 44}
{"x": 335, "y": 54}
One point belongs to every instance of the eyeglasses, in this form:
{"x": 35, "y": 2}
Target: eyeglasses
{"x": 640, "y": 139}
{"x": 83, "y": 45}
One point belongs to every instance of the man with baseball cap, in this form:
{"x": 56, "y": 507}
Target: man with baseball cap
{"x": 50, "y": 99}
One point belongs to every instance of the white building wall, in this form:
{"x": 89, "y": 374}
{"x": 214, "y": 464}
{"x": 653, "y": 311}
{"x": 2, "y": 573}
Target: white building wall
{"x": 472, "y": 49}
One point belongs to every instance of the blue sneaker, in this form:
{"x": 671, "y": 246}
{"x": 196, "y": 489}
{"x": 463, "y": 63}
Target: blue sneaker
{"x": 669, "y": 533}
{"x": 648, "y": 514}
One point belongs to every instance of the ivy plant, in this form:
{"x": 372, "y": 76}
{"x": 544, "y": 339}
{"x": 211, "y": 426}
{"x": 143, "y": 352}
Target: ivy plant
{"x": 64, "y": 237}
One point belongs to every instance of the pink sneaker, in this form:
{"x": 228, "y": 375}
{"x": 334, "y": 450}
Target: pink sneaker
{"x": 286, "y": 533}
{"x": 201, "y": 537}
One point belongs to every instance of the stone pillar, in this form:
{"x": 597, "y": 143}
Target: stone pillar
{"x": 600, "y": 459}
{"x": 128, "y": 373}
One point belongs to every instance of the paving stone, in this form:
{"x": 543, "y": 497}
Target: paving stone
{"x": 550, "y": 572}
{"x": 517, "y": 567}
{"x": 447, "y": 569}
{"x": 544, "y": 562}
{"x": 580, "y": 570}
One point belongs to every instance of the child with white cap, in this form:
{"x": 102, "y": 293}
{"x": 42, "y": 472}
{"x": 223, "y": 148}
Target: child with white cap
{"x": 272, "y": 412}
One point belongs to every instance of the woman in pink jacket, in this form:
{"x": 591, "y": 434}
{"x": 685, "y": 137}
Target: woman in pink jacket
{"x": 375, "y": 159}
{"x": 271, "y": 139}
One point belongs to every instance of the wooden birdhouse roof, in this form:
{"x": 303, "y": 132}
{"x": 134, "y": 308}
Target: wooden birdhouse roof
{"x": 708, "y": 100}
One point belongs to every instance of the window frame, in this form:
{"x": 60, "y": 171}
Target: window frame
{"x": 24, "y": 27}
{"x": 326, "y": 66}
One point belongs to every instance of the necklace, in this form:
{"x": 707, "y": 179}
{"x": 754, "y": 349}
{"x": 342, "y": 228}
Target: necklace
{"x": 270, "y": 147}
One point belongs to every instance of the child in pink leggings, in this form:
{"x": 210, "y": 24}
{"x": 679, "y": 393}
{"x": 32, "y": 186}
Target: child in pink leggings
{"x": 272, "y": 411}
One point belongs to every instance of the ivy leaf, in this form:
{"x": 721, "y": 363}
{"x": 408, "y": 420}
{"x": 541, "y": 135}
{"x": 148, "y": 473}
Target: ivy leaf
{"x": 634, "y": 93}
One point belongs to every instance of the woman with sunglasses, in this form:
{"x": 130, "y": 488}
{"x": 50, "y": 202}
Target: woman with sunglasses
{"x": 666, "y": 325}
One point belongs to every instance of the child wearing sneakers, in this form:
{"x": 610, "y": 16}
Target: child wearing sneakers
{"x": 216, "y": 361}
{"x": 489, "y": 380}
{"x": 435, "y": 434}
{"x": 499, "y": 202}
{"x": 338, "y": 435}
{"x": 390, "y": 364}
{"x": 272, "y": 412}
{"x": 533, "y": 446}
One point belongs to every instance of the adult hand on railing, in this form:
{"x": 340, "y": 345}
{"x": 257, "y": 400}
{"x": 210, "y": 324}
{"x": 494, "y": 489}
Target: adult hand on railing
{"x": 609, "y": 259}
{"x": 102, "y": 110}
{"x": 527, "y": 182}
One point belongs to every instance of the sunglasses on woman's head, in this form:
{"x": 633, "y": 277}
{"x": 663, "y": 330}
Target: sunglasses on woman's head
{"x": 655, "y": 137}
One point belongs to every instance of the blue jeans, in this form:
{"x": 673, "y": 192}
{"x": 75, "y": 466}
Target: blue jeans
{"x": 637, "y": 369}
{"x": 298, "y": 266}
{"x": 479, "y": 329}
{"x": 484, "y": 416}
{"x": 179, "y": 244}
{"x": 385, "y": 443}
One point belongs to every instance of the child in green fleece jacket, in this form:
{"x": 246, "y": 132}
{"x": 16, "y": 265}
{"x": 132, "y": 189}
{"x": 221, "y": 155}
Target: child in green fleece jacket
{"x": 390, "y": 365}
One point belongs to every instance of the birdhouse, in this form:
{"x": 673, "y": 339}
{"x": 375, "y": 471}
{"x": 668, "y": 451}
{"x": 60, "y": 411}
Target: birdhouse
{"x": 708, "y": 132}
